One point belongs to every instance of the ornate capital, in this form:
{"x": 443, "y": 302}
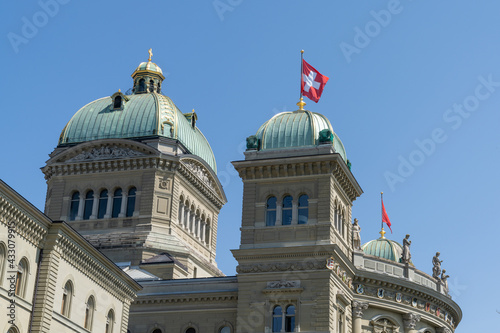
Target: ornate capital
{"x": 358, "y": 308}
{"x": 410, "y": 320}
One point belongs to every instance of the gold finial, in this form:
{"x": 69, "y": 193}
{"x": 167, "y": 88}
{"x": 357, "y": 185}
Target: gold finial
{"x": 150, "y": 51}
{"x": 119, "y": 90}
{"x": 193, "y": 110}
{"x": 382, "y": 233}
{"x": 302, "y": 51}
{"x": 301, "y": 104}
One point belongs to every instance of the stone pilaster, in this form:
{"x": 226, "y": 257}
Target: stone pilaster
{"x": 357, "y": 314}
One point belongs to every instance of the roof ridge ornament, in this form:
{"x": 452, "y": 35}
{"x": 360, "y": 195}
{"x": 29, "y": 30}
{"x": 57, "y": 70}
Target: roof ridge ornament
{"x": 301, "y": 104}
{"x": 150, "y": 51}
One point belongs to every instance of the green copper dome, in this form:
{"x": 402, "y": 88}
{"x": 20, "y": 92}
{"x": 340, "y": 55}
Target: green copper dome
{"x": 384, "y": 248}
{"x": 147, "y": 114}
{"x": 295, "y": 130}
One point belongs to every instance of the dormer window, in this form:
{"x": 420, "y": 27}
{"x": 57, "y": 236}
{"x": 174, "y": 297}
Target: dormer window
{"x": 117, "y": 103}
{"x": 118, "y": 99}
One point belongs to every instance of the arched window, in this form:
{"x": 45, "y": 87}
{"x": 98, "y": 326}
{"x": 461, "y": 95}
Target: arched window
{"x": 103, "y": 204}
{"x": 225, "y": 329}
{"x": 3, "y": 255}
{"x": 66, "y": 299}
{"x": 142, "y": 85}
{"x": 157, "y": 331}
{"x": 151, "y": 86}
{"x": 75, "y": 203}
{"x": 286, "y": 211}
{"x": 117, "y": 104}
{"x": 89, "y": 204}
{"x": 131, "y": 202}
{"x": 290, "y": 319}
{"x": 110, "y": 320}
{"x": 277, "y": 319}
{"x": 13, "y": 330}
{"x": 89, "y": 313}
{"x": 180, "y": 212}
{"x": 271, "y": 211}
{"x": 303, "y": 209}
{"x": 22, "y": 277}
{"x": 117, "y": 202}
{"x": 190, "y": 330}
{"x": 158, "y": 90}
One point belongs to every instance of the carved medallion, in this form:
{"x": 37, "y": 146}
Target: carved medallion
{"x": 399, "y": 297}
{"x": 427, "y": 306}
{"x": 164, "y": 183}
{"x": 380, "y": 293}
{"x": 438, "y": 311}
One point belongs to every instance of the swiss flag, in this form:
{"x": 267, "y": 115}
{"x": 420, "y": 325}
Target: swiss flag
{"x": 312, "y": 82}
{"x": 385, "y": 217}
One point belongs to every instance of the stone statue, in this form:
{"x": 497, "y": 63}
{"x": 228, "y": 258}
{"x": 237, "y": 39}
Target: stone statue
{"x": 405, "y": 258}
{"x": 356, "y": 238}
{"x": 444, "y": 280}
{"x": 436, "y": 270}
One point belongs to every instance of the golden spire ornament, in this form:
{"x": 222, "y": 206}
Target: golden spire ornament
{"x": 150, "y": 51}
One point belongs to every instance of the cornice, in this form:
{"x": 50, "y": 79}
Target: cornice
{"x": 407, "y": 289}
{"x": 303, "y": 166}
{"x": 31, "y": 228}
{"x": 168, "y": 299}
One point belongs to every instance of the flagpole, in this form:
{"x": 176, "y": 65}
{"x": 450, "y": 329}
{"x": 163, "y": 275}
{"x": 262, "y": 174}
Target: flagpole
{"x": 301, "y": 102}
{"x": 381, "y": 210}
{"x": 382, "y": 232}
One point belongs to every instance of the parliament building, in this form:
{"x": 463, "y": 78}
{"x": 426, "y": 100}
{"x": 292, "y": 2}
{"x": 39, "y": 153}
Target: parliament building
{"x": 127, "y": 241}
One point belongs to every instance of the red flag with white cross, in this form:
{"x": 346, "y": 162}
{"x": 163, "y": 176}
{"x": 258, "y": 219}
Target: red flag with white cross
{"x": 312, "y": 82}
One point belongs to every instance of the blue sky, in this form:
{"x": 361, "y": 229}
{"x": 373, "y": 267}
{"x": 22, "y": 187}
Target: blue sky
{"x": 414, "y": 94}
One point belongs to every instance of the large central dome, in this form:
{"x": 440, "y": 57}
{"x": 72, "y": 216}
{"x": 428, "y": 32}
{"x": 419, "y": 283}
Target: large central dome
{"x": 144, "y": 114}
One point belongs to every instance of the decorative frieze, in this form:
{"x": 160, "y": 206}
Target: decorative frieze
{"x": 283, "y": 284}
{"x": 105, "y": 152}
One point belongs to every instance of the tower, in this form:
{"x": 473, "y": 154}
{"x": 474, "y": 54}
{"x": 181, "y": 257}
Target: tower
{"x": 297, "y": 197}
{"x": 137, "y": 178}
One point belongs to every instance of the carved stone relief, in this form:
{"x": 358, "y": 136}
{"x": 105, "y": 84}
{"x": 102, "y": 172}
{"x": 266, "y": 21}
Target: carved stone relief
{"x": 105, "y": 152}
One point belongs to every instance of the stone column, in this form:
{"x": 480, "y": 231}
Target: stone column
{"x": 123, "y": 208}
{"x": 181, "y": 213}
{"x": 95, "y": 206}
{"x": 109, "y": 206}
{"x": 278, "y": 212}
{"x": 410, "y": 321}
{"x": 81, "y": 205}
{"x": 357, "y": 314}
{"x": 202, "y": 231}
{"x": 295, "y": 211}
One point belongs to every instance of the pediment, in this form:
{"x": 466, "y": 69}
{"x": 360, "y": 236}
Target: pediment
{"x": 206, "y": 176}
{"x": 103, "y": 150}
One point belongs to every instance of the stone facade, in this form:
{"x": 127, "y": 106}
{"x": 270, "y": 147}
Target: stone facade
{"x": 52, "y": 279}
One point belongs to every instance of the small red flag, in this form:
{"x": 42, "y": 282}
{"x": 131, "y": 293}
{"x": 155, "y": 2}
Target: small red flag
{"x": 385, "y": 217}
{"x": 312, "y": 82}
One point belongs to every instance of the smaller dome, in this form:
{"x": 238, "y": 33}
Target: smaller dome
{"x": 383, "y": 248}
{"x": 149, "y": 66}
{"x": 297, "y": 129}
